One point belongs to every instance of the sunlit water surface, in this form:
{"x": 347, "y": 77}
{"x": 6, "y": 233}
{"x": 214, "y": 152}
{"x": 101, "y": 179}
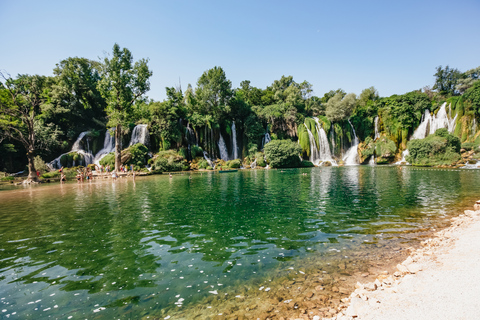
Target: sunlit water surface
{"x": 156, "y": 246}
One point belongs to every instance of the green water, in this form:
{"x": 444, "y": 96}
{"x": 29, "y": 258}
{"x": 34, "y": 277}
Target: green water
{"x": 128, "y": 250}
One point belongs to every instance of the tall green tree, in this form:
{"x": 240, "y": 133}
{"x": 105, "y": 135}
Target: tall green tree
{"x": 22, "y": 103}
{"x": 213, "y": 93}
{"x": 75, "y": 99}
{"x": 446, "y": 80}
{"x": 340, "y": 107}
{"x": 123, "y": 82}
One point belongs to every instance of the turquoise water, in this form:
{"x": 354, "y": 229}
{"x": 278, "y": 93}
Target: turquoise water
{"x": 155, "y": 246}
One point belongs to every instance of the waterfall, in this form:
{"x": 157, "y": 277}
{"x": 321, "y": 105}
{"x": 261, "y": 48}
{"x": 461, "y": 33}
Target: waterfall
{"x": 351, "y": 157}
{"x": 314, "y": 154}
{"x": 377, "y": 133}
{"x": 405, "y": 153}
{"x": 77, "y": 147}
{"x": 474, "y": 127}
{"x": 266, "y": 139}
{"x": 332, "y": 137}
{"x": 210, "y": 162}
{"x": 320, "y": 153}
{"x": 430, "y": 123}
{"x": 372, "y": 160}
{"x": 108, "y": 145}
{"x": 140, "y": 134}
{"x": 234, "y": 142}
{"x": 222, "y": 148}
{"x": 253, "y": 165}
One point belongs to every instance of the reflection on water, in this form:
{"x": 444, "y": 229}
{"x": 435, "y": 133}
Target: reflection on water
{"x": 128, "y": 250}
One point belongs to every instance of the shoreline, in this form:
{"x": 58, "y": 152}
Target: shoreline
{"x": 430, "y": 284}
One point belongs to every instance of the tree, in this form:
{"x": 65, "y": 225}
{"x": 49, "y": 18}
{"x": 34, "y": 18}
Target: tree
{"x": 121, "y": 85}
{"x": 367, "y": 95}
{"x": 467, "y": 80}
{"x": 75, "y": 97}
{"x": 339, "y": 108}
{"x": 21, "y": 115}
{"x": 446, "y": 80}
{"x": 283, "y": 153}
{"x": 213, "y": 93}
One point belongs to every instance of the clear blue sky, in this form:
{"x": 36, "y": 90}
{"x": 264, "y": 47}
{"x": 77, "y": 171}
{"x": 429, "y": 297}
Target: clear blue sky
{"x": 392, "y": 45}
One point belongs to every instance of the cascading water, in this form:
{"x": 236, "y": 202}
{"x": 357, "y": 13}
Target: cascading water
{"x": 377, "y": 133}
{"x": 351, "y": 157}
{"x": 210, "y": 162}
{"x": 474, "y": 127}
{"x": 222, "y": 148}
{"x": 253, "y": 165}
{"x": 324, "y": 147}
{"x": 108, "y": 146}
{"x": 234, "y": 142}
{"x": 266, "y": 139}
{"x": 430, "y": 123}
{"x": 372, "y": 161}
{"x": 141, "y": 135}
{"x": 320, "y": 153}
{"x": 405, "y": 153}
{"x": 77, "y": 147}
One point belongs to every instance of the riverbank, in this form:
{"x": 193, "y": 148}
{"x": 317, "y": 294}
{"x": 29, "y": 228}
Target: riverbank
{"x": 438, "y": 281}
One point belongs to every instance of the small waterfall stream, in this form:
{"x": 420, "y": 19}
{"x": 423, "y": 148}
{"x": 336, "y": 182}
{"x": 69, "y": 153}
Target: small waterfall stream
{"x": 377, "y": 133}
{"x": 234, "y": 142}
{"x": 77, "y": 147}
{"x": 108, "y": 146}
{"x": 351, "y": 157}
{"x": 222, "y": 148}
{"x": 140, "y": 134}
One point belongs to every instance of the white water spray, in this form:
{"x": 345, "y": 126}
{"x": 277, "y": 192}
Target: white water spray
{"x": 351, "y": 157}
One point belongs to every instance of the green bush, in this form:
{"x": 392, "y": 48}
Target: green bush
{"x": 260, "y": 159}
{"x": 196, "y": 151}
{"x": 109, "y": 159}
{"x": 202, "y": 164}
{"x": 169, "y": 161}
{"x": 283, "y": 153}
{"x": 209, "y": 168}
{"x": 8, "y": 178}
{"x": 50, "y": 175}
{"x": 40, "y": 165}
{"x": 136, "y": 155}
{"x": 469, "y": 146}
{"x": 438, "y": 149}
{"x": 234, "y": 163}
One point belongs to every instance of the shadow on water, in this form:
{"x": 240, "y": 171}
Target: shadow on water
{"x": 129, "y": 250}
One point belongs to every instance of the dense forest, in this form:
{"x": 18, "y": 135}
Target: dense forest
{"x": 42, "y": 119}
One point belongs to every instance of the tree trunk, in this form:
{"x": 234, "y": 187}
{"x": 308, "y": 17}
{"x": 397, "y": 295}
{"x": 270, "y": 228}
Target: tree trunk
{"x": 32, "y": 172}
{"x": 118, "y": 147}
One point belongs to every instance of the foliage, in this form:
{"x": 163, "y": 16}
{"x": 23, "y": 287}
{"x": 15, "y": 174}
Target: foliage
{"x": 283, "y": 154}
{"x": 40, "y": 165}
{"x": 339, "y": 108}
{"x": 446, "y": 80}
{"x": 169, "y": 161}
{"x": 108, "y": 160}
{"x": 22, "y": 104}
{"x": 234, "y": 164}
{"x": 436, "y": 149}
{"x": 136, "y": 155}
{"x": 203, "y": 164}
{"x": 122, "y": 84}
{"x": 385, "y": 148}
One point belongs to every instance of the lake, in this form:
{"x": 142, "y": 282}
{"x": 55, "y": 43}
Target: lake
{"x": 246, "y": 243}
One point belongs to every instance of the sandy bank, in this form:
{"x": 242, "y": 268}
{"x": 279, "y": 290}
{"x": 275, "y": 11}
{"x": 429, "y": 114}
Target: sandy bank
{"x": 441, "y": 280}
